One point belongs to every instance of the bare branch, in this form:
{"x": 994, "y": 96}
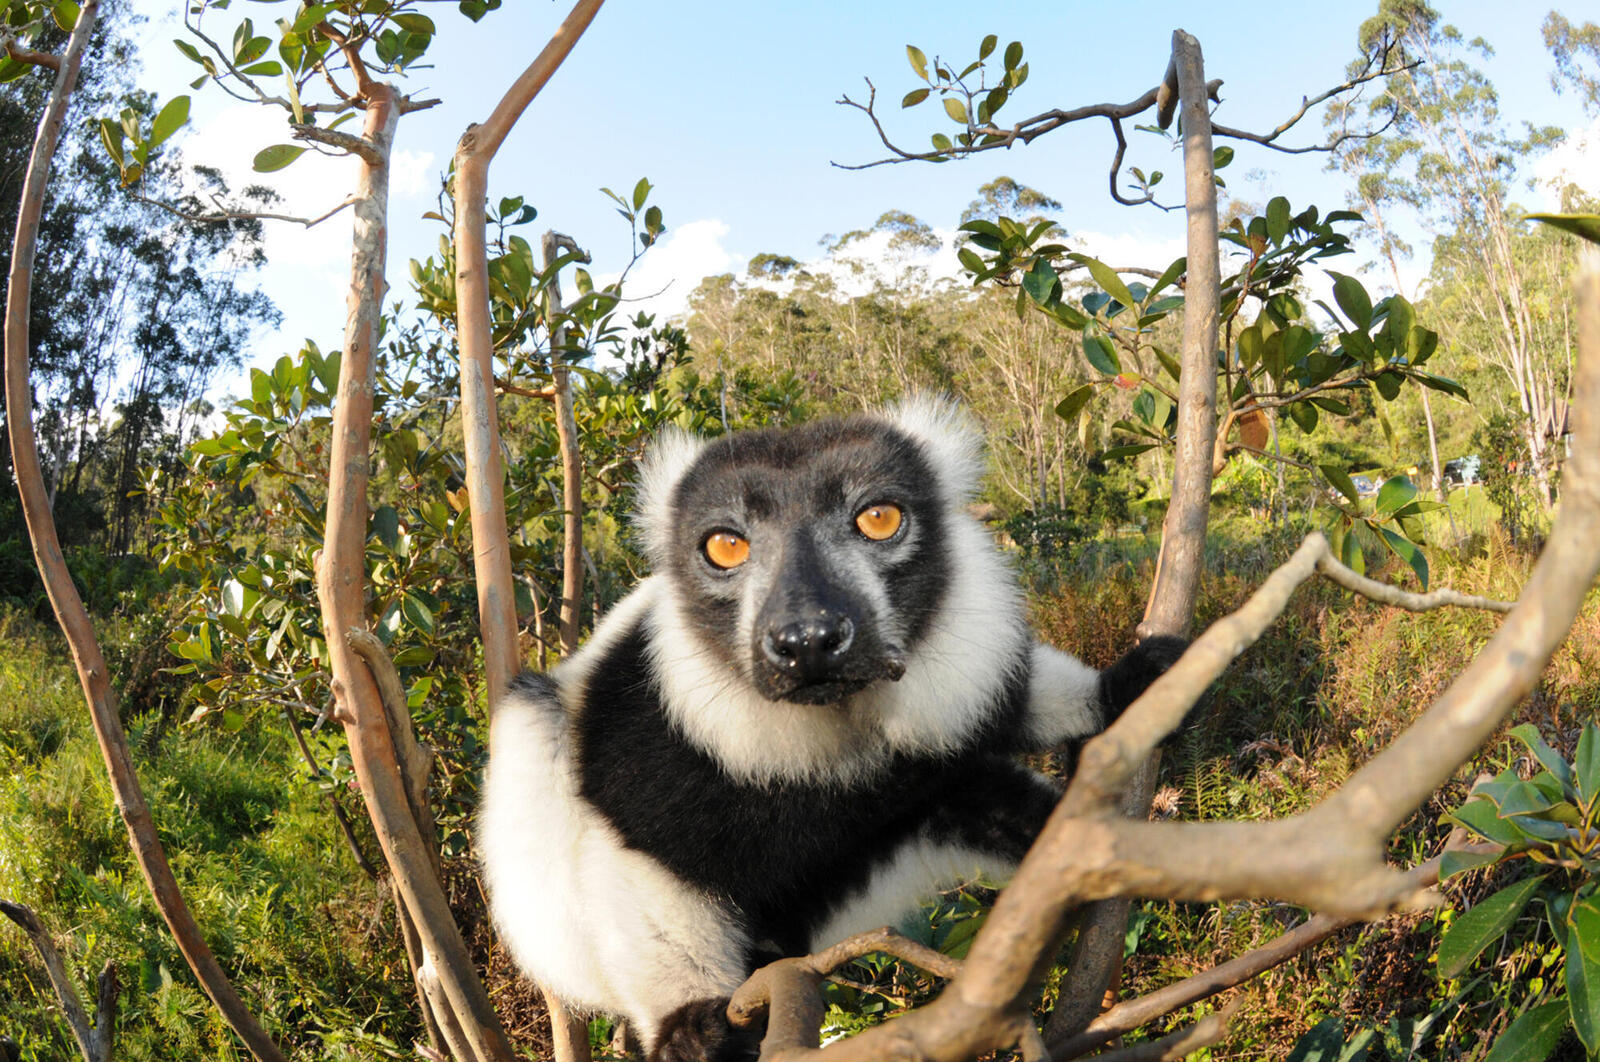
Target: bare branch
{"x": 70, "y": 613}
{"x": 226, "y": 214}
{"x": 1135, "y": 1013}
{"x": 1393, "y": 595}
{"x": 355, "y": 145}
{"x": 94, "y": 1038}
{"x": 48, "y": 60}
{"x": 1181, "y": 1044}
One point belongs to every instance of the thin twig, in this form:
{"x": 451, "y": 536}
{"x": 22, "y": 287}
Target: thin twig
{"x": 238, "y": 215}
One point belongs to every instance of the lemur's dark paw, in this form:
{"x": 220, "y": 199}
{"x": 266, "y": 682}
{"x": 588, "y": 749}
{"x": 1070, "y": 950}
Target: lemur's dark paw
{"x": 700, "y": 1032}
{"x": 1123, "y": 682}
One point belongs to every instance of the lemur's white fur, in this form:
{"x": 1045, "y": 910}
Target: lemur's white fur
{"x": 609, "y": 929}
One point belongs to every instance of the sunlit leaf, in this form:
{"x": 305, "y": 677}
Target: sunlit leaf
{"x": 1485, "y": 923}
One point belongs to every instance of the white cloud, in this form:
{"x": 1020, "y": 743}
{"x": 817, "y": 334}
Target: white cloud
{"x": 1128, "y": 249}
{"x": 670, "y": 271}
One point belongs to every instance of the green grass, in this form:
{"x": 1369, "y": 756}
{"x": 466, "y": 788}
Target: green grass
{"x": 254, "y": 848}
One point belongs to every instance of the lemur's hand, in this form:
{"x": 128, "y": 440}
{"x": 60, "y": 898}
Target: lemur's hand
{"x": 1123, "y": 682}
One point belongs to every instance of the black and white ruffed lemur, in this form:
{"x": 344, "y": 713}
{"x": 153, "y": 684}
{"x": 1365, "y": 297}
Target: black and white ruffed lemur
{"x": 800, "y": 725}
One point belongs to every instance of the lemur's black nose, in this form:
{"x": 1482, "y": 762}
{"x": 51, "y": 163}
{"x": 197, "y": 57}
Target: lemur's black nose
{"x": 811, "y": 649}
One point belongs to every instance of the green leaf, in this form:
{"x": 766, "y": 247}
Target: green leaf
{"x": 1388, "y": 384}
{"x": 1481, "y": 817}
{"x": 1221, "y": 157}
{"x": 1041, "y": 281}
{"x": 919, "y": 62}
{"x": 1454, "y": 862}
{"x": 1352, "y": 299}
{"x": 417, "y": 612}
{"x": 1107, "y": 278}
{"x": 986, "y": 48}
{"x": 276, "y": 157}
{"x": 169, "y": 120}
{"x": 1277, "y": 219}
{"x": 1395, "y": 492}
{"x": 1101, "y": 354}
{"x": 1341, "y": 482}
{"x": 1440, "y": 383}
{"x": 386, "y": 525}
{"x": 1584, "y": 226}
{"x": 1484, "y": 924}
{"x": 955, "y": 109}
{"x": 641, "y": 192}
{"x": 1304, "y": 414}
{"x": 1116, "y": 453}
{"x": 1532, "y": 1037}
{"x": 1069, "y": 407}
{"x": 1323, "y": 1042}
{"x": 914, "y": 97}
{"x": 1420, "y": 344}
{"x": 1251, "y": 347}
{"x": 65, "y": 12}
{"x": 1170, "y": 274}
{"x": 1586, "y": 764}
{"x": 1548, "y": 757}
{"x": 1013, "y": 55}
{"x": 1583, "y": 970}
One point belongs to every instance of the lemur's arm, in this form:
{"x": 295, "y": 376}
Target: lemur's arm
{"x": 1068, "y": 700}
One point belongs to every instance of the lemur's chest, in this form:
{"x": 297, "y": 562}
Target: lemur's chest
{"x": 778, "y": 852}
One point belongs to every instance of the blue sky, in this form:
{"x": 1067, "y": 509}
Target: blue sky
{"x": 729, "y": 110}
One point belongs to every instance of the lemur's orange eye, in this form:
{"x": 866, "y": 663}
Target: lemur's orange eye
{"x": 879, "y": 522}
{"x": 726, "y": 549}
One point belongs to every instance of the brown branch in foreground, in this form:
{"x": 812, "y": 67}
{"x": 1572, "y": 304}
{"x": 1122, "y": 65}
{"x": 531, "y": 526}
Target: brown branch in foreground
{"x": 1181, "y": 1044}
{"x": 341, "y": 591}
{"x": 361, "y": 147}
{"x": 70, "y": 614}
{"x": 1135, "y": 1013}
{"x": 94, "y": 1037}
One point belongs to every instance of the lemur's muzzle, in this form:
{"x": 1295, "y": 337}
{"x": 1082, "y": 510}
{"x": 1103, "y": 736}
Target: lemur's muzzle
{"x": 814, "y": 641}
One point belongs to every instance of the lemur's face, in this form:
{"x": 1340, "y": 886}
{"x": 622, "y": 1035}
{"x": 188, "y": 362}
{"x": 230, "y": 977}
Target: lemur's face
{"x": 812, "y": 560}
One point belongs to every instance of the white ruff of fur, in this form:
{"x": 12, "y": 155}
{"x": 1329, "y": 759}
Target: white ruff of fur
{"x": 666, "y": 461}
{"x": 949, "y": 436}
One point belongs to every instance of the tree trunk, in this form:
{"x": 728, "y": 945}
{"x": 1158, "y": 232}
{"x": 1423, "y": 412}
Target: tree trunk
{"x": 1097, "y": 959}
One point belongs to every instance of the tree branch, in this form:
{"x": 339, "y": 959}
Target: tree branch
{"x": 224, "y": 214}
{"x": 355, "y": 145}
{"x": 48, "y": 60}
{"x": 94, "y": 1038}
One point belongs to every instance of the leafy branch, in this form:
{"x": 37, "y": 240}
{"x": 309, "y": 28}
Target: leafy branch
{"x": 972, "y": 105}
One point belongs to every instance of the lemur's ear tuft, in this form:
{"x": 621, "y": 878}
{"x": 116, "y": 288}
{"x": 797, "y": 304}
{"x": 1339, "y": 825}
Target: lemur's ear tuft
{"x": 949, "y": 436}
{"x": 667, "y": 460}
